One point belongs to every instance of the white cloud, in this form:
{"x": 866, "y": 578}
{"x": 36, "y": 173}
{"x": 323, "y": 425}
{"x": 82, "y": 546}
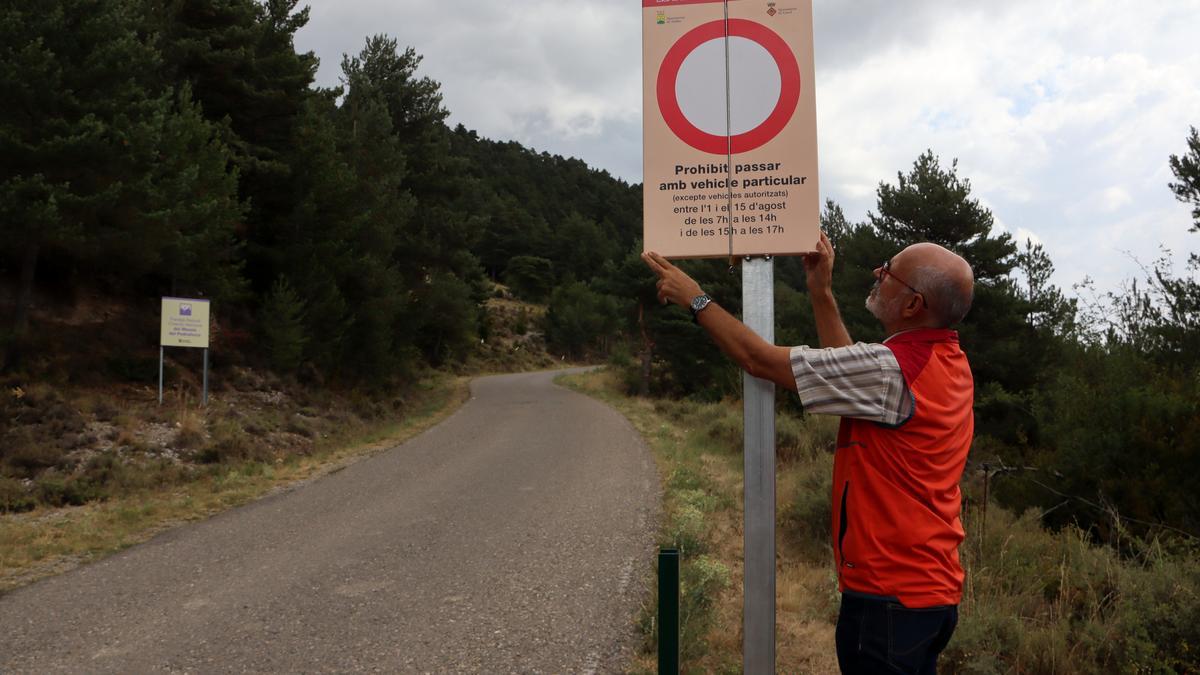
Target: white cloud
{"x": 1115, "y": 197}
{"x": 1062, "y": 113}
{"x": 1023, "y": 235}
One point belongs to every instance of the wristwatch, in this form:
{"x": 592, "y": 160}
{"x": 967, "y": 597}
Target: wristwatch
{"x": 698, "y": 304}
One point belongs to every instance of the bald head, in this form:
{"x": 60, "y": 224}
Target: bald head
{"x": 943, "y": 277}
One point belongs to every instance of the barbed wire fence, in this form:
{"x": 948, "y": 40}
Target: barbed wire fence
{"x": 993, "y": 468}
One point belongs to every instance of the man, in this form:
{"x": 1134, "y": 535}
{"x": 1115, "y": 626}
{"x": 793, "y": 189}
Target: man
{"x": 907, "y": 421}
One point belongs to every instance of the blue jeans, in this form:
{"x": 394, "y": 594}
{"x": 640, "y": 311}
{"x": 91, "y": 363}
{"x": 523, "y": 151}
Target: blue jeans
{"x": 880, "y": 635}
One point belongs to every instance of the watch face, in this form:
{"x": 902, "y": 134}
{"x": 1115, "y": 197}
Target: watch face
{"x": 699, "y": 302}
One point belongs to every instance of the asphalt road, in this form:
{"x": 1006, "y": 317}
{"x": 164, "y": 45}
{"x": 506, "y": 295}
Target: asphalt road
{"x": 517, "y": 536}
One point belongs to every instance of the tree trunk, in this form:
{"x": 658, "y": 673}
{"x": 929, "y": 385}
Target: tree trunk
{"x": 20, "y": 324}
{"x": 647, "y": 352}
{"x": 25, "y": 289}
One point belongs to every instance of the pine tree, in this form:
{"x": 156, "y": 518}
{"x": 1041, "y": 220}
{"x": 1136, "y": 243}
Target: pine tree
{"x": 89, "y": 141}
{"x": 1050, "y": 312}
{"x": 1187, "y": 175}
{"x": 192, "y": 192}
{"x": 238, "y": 56}
{"x": 933, "y": 204}
{"x": 447, "y": 218}
{"x": 281, "y": 324}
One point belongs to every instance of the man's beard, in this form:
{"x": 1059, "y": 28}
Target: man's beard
{"x": 886, "y": 312}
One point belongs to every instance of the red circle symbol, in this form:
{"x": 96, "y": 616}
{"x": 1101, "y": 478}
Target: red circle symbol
{"x": 789, "y": 87}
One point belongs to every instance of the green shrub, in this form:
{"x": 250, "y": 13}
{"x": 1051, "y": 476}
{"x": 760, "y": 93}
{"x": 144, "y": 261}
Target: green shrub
{"x": 704, "y": 500}
{"x": 797, "y": 438}
{"x": 579, "y": 319}
{"x": 29, "y": 459}
{"x": 791, "y": 438}
{"x": 55, "y": 489}
{"x": 188, "y": 436}
{"x": 139, "y": 369}
{"x": 701, "y": 579}
{"x": 449, "y": 326}
{"x": 281, "y": 325}
{"x": 981, "y": 640}
{"x": 107, "y": 472}
{"x": 676, "y": 411}
{"x": 1039, "y": 601}
{"x": 300, "y": 426}
{"x": 807, "y": 515}
{"x": 688, "y": 530}
{"x": 621, "y": 357}
{"x": 521, "y": 322}
{"x": 230, "y": 444}
{"x": 800, "y": 438}
{"x": 724, "y": 426}
{"x": 1158, "y": 618}
{"x": 104, "y": 409}
{"x": 105, "y": 468}
{"x": 1116, "y": 426}
{"x": 687, "y": 478}
{"x": 530, "y": 277}
{"x": 14, "y": 498}
{"x": 40, "y": 415}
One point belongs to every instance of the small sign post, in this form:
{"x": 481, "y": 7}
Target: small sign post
{"x": 730, "y": 169}
{"x": 184, "y": 323}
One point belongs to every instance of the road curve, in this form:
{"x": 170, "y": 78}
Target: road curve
{"x": 513, "y": 537}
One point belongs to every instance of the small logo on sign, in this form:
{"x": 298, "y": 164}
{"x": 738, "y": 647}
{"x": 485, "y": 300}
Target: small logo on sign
{"x": 185, "y": 310}
{"x": 771, "y": 9}
{"x": 660, "y": 17}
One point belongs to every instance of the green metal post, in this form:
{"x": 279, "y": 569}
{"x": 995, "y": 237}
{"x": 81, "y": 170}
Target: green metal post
{"x": 668, "y": 611}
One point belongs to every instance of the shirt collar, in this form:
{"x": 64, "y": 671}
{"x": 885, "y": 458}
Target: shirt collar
{"x": 924, "y": 335}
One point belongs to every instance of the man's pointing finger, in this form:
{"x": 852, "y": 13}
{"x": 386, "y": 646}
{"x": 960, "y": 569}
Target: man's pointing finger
{"x": 662, "y": 262}
{"x": 652, "y": 264}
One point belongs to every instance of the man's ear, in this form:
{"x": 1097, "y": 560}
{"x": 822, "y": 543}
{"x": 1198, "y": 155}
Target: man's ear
{"x": 913, "y": 305}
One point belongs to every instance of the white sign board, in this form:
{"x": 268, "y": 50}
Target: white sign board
{"x": 184, "y": 323}
{"x": 729, "y": 128}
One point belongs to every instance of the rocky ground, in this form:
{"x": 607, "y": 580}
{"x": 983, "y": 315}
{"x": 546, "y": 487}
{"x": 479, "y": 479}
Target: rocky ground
{"x": 96, "y": 427}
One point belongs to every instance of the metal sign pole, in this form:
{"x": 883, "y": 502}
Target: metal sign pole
{"x": 205, "y": 400}
{"x": 161, "y": 349}
{"x": 758, "y": 396}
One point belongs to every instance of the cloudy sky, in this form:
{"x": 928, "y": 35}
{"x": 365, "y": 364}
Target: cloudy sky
{"x": 1062, "y": 113}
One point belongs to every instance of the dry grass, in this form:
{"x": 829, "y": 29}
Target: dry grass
{"x": 699, "y": 445}
{"x": 1034, "y": 602}
{"x": 515, "y": 341}
{"x": 189, "y": 429}
{"x": 47, "y": 541}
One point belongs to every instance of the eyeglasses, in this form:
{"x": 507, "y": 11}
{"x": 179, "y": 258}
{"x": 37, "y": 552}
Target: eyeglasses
{"x": 885, "y": 270}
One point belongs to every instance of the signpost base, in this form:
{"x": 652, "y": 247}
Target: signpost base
{"x": 758, "y": 396}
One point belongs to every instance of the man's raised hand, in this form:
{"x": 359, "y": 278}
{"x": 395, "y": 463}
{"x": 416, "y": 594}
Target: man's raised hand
{"x": 674, "y": 285}
{"x": 818, "y": 266}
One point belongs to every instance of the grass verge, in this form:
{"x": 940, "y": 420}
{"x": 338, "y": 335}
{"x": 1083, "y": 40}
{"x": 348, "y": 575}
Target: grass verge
{"x": 697, "y": 447}
{"x": 1034, "y": 601}
{"x": 47, "y": 540}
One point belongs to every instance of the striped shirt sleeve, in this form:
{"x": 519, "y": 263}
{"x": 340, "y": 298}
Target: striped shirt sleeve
{"x": 863, "y": 381}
